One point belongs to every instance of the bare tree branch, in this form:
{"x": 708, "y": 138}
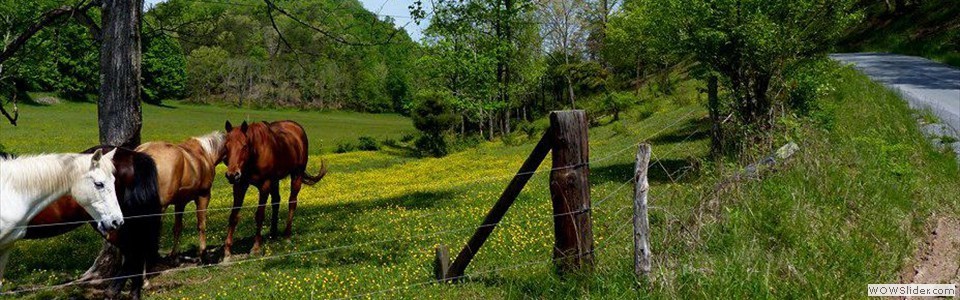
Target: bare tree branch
{"x": 86, "y": 21}
{"x": 16, "y": 111}
{"x": 273, "y": 23}
{"x": 339, "y": 39}
{"x": 48, "y": 18}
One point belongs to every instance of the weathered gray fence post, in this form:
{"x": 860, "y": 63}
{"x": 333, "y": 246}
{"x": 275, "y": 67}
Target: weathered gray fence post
{"x": 641, "y": 222}
{"x": 570, "y": 192}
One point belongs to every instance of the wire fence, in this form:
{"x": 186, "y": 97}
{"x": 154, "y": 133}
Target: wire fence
{"x": 381, "y": 191}
{"x": 318, "y": 251}
{"x": 594, "y": 207}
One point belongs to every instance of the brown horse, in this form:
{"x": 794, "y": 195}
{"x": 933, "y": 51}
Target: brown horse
{"x": 262, "y": 154}
{"x": 185, "y": 173}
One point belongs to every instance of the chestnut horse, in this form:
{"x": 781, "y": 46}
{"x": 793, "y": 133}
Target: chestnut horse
{"x": 185, "y": 173}
{"x": 139, "y": 237}
{"x": 262, "y": 154}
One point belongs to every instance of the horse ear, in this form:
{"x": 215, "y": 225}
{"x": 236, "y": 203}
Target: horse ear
{"x": 229, "y": 126}
{"x": 243, "y": 127}
{"x": 95, "y": 161}
{"x": 109, "y": 155}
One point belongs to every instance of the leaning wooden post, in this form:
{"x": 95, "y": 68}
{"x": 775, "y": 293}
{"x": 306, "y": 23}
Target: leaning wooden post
{"x": 641, "y": 223}
{"x": 570, "y": 192}
{"x": 446, "y": 271}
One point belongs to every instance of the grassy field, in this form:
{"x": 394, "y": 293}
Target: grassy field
{"x": 72, "y": 126}
{"x": 846, "y": 211}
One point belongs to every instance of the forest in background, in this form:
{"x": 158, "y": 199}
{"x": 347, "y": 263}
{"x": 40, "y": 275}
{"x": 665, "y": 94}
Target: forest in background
{"x": 232, "y": 52}
{"x": 485, "y": 68}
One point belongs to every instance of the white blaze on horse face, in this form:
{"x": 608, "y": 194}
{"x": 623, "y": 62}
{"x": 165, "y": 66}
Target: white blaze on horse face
{"x": 96, "y": 193}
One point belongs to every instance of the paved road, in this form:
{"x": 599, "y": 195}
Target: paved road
{"x": 922, "y": 82}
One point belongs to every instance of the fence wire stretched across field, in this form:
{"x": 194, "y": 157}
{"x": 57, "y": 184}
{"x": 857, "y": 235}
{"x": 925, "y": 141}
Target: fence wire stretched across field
{"x": 596, "y": 249}
{"x": 322, "y": 250}
{"x": 459, "y": 183}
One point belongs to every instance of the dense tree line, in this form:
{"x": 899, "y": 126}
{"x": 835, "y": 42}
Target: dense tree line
{"x": 495, "y": 64}
{"x": 240, "y": 52}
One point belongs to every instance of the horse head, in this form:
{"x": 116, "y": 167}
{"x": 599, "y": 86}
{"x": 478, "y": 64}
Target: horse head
{"x": 237, "y": 151}
{"x": 96, "y": 191}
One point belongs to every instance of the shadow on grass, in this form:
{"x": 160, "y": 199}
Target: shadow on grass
{"x": 161, "y": 105}
{"x": 335, "y": 221}
{"x": 661, "y": 171}
{"x": 692, "y": 130}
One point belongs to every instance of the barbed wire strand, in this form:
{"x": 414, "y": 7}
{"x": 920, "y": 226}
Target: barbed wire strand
{"x": 495, "y": 270}
{"x": 339, "y": 247}
{"x": 460, "y": 183}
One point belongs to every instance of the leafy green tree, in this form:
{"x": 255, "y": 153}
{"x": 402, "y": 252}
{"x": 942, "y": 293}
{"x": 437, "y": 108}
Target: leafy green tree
{"x": 164, "y": 70}
{"x": 206, "y": 67}
{"x": 433, "y": 115}
{"x": 747, "y": 43}
{"x": 617, "y": 102}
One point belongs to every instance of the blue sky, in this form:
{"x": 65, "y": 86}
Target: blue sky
{"x": 394, "y": 8}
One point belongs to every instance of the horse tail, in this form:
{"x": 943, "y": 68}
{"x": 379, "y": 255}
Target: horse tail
{"x": 311, "y": 180}
{"x": 142, "y": 234}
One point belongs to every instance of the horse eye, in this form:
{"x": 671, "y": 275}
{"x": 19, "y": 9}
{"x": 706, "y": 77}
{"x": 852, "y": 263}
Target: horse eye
{"x": 99, "y": 185}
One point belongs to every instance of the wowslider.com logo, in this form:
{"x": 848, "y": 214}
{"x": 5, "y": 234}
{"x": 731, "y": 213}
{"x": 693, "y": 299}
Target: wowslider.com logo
{"x": 912, "y": 290}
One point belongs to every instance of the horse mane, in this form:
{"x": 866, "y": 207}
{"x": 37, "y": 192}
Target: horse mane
{"x": 48, "y": 173}
{"x": 213, "y": 143}
{"x": 258, "y": 133}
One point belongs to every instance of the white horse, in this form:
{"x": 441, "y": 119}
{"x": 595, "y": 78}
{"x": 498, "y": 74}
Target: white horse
{"x": 28, "y": 184}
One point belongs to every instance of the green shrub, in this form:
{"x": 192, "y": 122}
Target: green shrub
{"x": 344, "y": 147}
{"x": 433, "y": 115}
{"x": 620, "y": 129}
{"x": 616, "y": 102}
{"x": 406, "y": 138}
{"x": 431, "y": 146}
{"x": 807, "y": 83}
{"x": 389, "y": 142}
{"x": 366, "y": 143}
{"x": 527, "y": 128}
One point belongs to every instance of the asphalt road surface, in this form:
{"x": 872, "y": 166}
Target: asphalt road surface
{"x": 925, "y": 84}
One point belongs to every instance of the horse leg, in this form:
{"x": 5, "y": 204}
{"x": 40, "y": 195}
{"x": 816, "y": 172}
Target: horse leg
{"x": 136, "y": 271}
{"x": 275, "y": 202}
{"x": 239, "y": 191}
{"x": 132, "y": 269}
{"x": 4, "y": 254}
{"x": 261, "y": 211}
{"x": 202, "y": 203}
{"x": 177, "y": 228}
{"x": 296, "y": 181}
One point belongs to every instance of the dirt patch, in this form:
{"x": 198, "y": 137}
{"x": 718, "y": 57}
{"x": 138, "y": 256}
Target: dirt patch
{"x": 938, "y": 259}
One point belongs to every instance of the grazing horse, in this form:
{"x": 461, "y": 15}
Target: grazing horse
{"x": 185, "y": 173}
{"x": 30, "y": 183}
{"x": 262, "y": 154}
{"x": 138, "y": 239}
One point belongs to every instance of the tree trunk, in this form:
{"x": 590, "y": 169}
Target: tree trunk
{"x": 119, "y": 108}
{"x": 713, "y": 105}
{"x": 506, "y": 122}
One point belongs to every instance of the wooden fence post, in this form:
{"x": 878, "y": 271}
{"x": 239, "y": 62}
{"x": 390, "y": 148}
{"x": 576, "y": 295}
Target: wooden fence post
{"x": 570, "y": 192}
{"x": 641, "y": 223}
{"x": 455, "y": 270}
